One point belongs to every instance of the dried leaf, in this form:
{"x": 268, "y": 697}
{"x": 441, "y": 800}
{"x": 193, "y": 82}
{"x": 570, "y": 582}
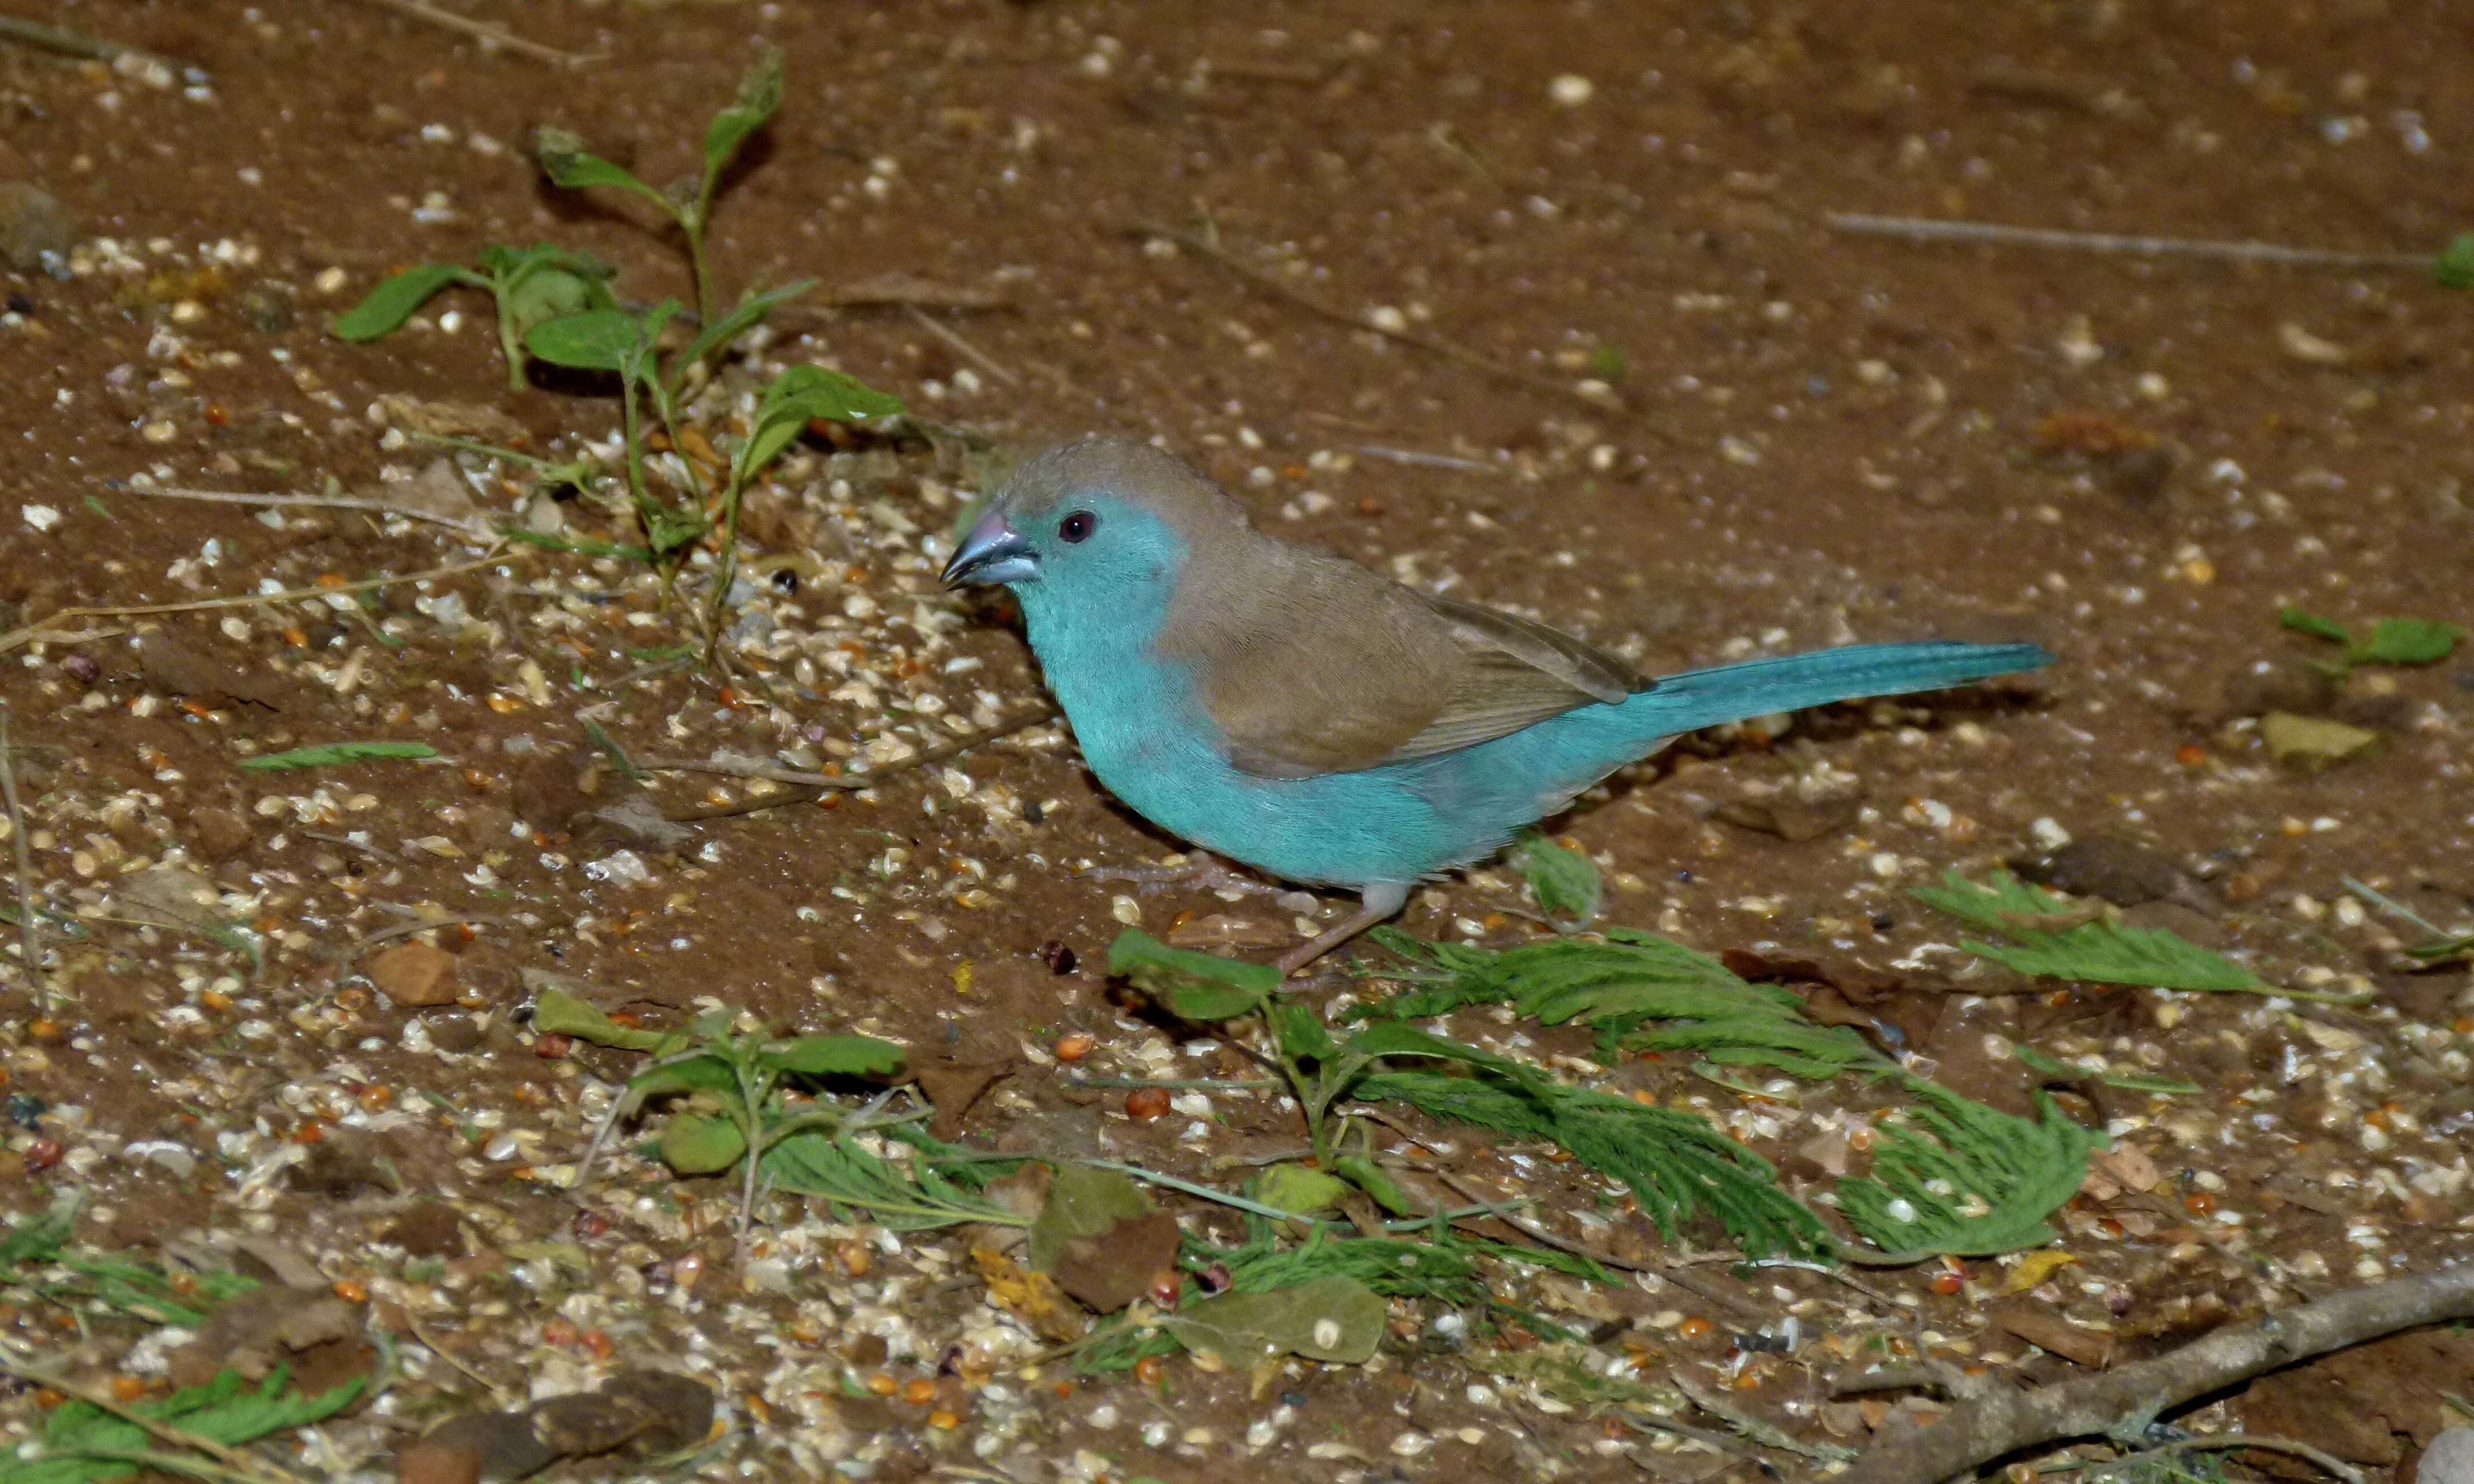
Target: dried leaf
{"x": 1082, "y": 1201}
{"x": 2314, "y": 741}
{"x": 1328, "y": 1319}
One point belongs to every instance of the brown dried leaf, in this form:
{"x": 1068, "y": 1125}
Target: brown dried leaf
{"x": 1114, "y": 1268}
{"x": 1792, "y": 820}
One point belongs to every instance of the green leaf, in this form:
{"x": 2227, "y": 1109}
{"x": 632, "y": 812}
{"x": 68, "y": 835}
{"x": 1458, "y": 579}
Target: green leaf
{"x": 2442, "y": 948}
{"x": 79, "y": 1439}
{"x": 1563, "y": 880}
{"x": 834, "y": 1056}
{"x": 857, "y": 1183}
{"x": 336, "y": 752}
{"x": 2314, "y": 625}
{"x": 385, "y": 308}
{"x": 559, "y": 1012}
{"x": 1193, "y": 986}
{"x": 605, "y": 340}
{"x": 760, "y": 94}
{"x": 1337, "y": 1320}
{"x": 1301, "y": 1033}
{"x": 1082, "y": 1201}
{"x": 693, "y": 1144}
{"x": 1298, "y": 1190}
{"x": 730, "y": 326}
{"x": 567, "y": 163}
{"x": 551, "y": 292}
{"x": 1368, "y": 1176}
{"x": 698, "y": 1074}
{"x": 798, "y": 396}
{"x": 2407, "y": 642}
{"x": 2102, "y": 951}
{"x": 2013, "y": 1172}
{"x": 2454, "y": 267}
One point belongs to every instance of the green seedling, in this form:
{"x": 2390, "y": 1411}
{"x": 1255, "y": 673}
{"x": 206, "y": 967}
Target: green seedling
{"x": 2391, "y": 641}
{"x": 530, "y": 285}
{"x": 565, "y": 159}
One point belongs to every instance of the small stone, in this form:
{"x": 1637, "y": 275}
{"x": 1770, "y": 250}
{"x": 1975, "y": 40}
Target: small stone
{"x": 35, "y": 231}
{"x": 2449, "y": 1459}
{"x": 415, "y": 974}
{"x": 221, "y": 833}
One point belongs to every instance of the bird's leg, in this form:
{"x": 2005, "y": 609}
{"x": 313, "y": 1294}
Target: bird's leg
{"x": 1379, "y": 903}
{"x": 1201, "y": 870}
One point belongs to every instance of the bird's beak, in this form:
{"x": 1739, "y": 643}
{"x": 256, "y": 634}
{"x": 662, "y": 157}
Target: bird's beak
{"x": 990, "y": 554}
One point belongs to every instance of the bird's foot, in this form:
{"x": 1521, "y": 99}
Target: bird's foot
{"x": 1200, "y": 872}
{"x": 1382, "y": 902}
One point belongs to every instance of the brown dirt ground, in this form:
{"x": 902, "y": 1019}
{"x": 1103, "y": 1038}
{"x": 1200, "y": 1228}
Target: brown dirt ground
{"x": 1821, "y": 438}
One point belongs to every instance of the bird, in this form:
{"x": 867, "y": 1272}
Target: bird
{"x": 1290, "y": 709}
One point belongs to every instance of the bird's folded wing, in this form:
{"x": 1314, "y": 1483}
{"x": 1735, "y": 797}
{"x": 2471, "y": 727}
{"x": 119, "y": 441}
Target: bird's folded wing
{"x": 1358, "y": 675}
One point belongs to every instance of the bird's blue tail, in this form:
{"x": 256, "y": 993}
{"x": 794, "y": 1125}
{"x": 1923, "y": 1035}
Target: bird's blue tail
{"x": 1787, "y": 682}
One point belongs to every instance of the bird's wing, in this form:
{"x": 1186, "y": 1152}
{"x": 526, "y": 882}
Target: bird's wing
{"x": 1330, "y": 668}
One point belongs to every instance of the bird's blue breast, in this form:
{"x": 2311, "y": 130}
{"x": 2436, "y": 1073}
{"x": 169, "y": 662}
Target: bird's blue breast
{"x": 1146, "y": 736}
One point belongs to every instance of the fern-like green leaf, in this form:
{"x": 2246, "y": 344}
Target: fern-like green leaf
{"x": 2101, "y": 951}
{"x": 1973, "y": 1182}
{"x": 837, "y": 1170}
{"x": 1677, "y": 1166}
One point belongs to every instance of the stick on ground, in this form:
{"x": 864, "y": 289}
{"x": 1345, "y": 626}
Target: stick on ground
{"x": 1915, "y": 229}
{"x": 1990, "y": 1421}
{"x": 31, "y": 940}
{"x": 484, "y": 31}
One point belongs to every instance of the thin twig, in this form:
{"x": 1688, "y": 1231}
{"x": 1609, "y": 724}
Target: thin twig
{"x": 1411, "y": 456}
{"x": 484, "y": 31}
{"x": 1269, "y": 283}
{"x": 76, "y": 44}
{"x": 44, "y": 629}
{"x": 178, "y": 1437}
{"x": 469, "y": 525}
{"x": 808, "y": 787}
{"x": 1912, "y": 228}
{"x": 1993, "y": 1423}
{"x": 496, "y": 1393}
{"x": 2233, "y": 1442}
{"x": 969, "y": 351}
{"x": 29, "y": 941}
{"x": 1536, "y": 1232}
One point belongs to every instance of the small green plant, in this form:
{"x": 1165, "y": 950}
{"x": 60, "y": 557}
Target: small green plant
{"x": 732, "y": 1109}
{"x": 565, "y": 159}
{"x": 555, "y": 307}
{"x": 2048, "y": 935}
{"x": 2394, "y": 641}
{"x": 1563, "y": 879}
{"x": 530, "y": 286}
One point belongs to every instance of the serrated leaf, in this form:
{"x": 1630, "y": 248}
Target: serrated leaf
{"x": 333, "y": 752}
{"x": 1563, "y": 880}
{"x": 383, "y": 310}
{"x": 1082, "y": 1201}
{"x": 834, "y": 1056}
{"x": 607, "y": 340}
{"x": 695, "y": 1144}
{"x": 1337, "y": 1320}
{"x": 1193, "y": 986}
{"x": 228, "y": 1410}
{"x": 2407, "y": 642}
{"x": 568, "y": 163}
{"x": 1301, "y": 1033}
{"x": 1368, "y": 1176}
{"x": 1297, "y": 1189}
{"x": 760, "y": 94}
{"x": 2311, "y": 623}
{"x": 557, "y": 1010}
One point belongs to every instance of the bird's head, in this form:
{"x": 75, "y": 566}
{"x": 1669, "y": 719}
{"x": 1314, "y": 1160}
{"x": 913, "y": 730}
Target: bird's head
{"x": 1094, "y": 532}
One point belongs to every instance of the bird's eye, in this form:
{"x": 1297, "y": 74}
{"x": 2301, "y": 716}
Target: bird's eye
{"x": 1077, "y": 527}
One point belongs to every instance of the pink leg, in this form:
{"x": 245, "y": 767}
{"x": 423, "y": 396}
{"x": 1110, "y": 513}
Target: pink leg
{"x": 1381, "y": 901}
